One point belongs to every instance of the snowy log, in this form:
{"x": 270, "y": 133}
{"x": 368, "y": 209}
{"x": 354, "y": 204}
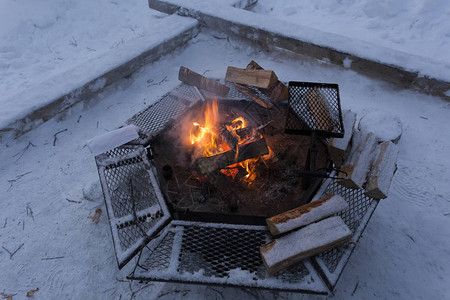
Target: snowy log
{"x": 259, "y": 78}
{"x": 380, "y": 177}
{"x": 358, "y": 165}
{"x": 384, "y": 126}
{"x": 337, "y": 147}
{"x": 303, "y": 243}
{"x": 112, "y": 139}
{"x": 190, "y": 77}
{"x": 306, "y": 214}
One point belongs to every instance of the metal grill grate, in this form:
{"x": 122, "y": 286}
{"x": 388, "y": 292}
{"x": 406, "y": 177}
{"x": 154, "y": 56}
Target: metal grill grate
{"x": 136, "y": 209}
{"x": 356, "y": 217}
{"x": 314, "y": 107}
{"x": 169, "y": 106}
{"x": 220, "y": 253}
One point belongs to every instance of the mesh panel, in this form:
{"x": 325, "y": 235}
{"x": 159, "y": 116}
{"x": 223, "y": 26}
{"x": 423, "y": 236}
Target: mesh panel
{"x": 134, "y": 203}
{"x": 208, "y": 254}
{"x": 169, "y": 106}
{"x": 314, "y": 107}
{"x": 118, "y": 178}
{"x": 358, "y": 206}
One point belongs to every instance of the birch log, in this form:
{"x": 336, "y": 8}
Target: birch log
{"x": 380, "y": 177}
{"x": 303, "y": 243}
{"x": 306, "y": 214}
{"x": 358, "y": 165}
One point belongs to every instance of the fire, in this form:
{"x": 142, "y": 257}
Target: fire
{"x": 208, "y": 139}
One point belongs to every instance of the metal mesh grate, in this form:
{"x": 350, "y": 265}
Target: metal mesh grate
{"x": 358, "y": 207}
{"x": 169, "y": 106}
{"x": 134, "y": 203}
{"x": 314, "y": 107}
{"x": 214, "y": 253}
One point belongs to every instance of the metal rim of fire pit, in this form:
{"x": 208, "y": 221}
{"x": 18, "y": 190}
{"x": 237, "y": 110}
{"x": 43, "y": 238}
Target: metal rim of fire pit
{"x": 141, "y": 223}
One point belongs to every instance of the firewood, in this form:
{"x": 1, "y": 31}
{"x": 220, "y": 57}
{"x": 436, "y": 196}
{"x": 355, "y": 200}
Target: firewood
{"x": 220, "y": 161}
{"x": 383, "y": 169}
{"x": 258, "y": 78}
{"x": 231, "y": 140}
{"x": 358, "y": 165}
{"x": 337, "y": 147}
{"x": 319, "y": 109}
{"x": 306, "y": 214}
{"x": 253, "y": 95}
{"x": 190, "y": 77}
{"x": 278, "y": 92}
{"x": 303, "y": 243}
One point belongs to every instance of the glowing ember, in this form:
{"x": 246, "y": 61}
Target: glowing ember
{"x": 206, "y": 137}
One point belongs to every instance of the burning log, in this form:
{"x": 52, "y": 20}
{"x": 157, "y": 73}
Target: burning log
{"x": 190, "y": 77}
{"x": 338, "y": 146}
{"x": 319, "y": 109}
{"x": 258, "y": 78}
{"x": 306, "y": 214}
{"x": 220, "y": 161}
{"x": 231, "y": 140}
{"x": 278, "y": 92}
{"x": 303, "y": 243}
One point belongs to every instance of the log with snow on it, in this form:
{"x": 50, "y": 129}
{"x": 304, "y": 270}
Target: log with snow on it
{"x": 358, "y": 165}
{"x": 383, "y": 125}
{"x": 306, "y": 214}
{"x": 303, "y": 243}
{"x": 337, "y": 147}
{"x": 113, "y": 139}
{"x": 383, "y": 169}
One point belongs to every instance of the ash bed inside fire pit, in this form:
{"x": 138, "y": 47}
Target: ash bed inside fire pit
{"x": 261, "y": 186}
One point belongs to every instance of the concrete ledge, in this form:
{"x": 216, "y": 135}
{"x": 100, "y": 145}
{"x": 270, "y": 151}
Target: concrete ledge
{"x": 405, "y": 70}
{"x": 77, "y": 84}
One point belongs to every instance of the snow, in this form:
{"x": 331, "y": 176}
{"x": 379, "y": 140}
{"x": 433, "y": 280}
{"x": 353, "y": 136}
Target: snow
{"x": 419, "y": 27}
{"x": 402, "y": 255}
{"x": 67, "y": 44}
{"x": 327, "y": 208}
{"x": 385, "y": 126}
{"x": 112, "y": 139}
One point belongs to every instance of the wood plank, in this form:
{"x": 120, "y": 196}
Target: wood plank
{"x": 253, "y": 95}
{"x": 361, "y": 157}
{"x": 337, "y": 147}
{"x": 278, "y": 92}
{"x": 190, "y": 77}
{"x": 303, "y": 243}
{"x": 258, "y": 78}
{"x": 383, "y": 169}
{"x": 306, "y": 214}
{"x": 319, "y": 109}
{"x": 220, "y": 161}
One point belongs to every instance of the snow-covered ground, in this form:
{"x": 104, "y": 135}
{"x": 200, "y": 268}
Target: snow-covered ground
{"x": 403, "y": 253}
{"x": 420, "y": 27}
{"x": 49, "y": 183}
{"x": 41, "y": 39}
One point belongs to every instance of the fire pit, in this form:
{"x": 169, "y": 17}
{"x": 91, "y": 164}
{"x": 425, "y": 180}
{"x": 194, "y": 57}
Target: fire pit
{"x": 168, "y": 205}
{"x": 221, "y": 153}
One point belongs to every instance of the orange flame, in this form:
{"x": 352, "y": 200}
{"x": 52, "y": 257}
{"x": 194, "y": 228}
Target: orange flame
{"x": 207, "y": 138}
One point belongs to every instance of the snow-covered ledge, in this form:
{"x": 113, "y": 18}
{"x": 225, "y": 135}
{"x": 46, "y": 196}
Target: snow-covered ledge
{"x": 405, "y": 70}
{"x": 38, "y": 104}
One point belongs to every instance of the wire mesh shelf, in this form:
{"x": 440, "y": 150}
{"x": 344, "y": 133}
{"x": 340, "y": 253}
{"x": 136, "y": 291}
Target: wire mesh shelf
{"x": 314, "y": 107}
